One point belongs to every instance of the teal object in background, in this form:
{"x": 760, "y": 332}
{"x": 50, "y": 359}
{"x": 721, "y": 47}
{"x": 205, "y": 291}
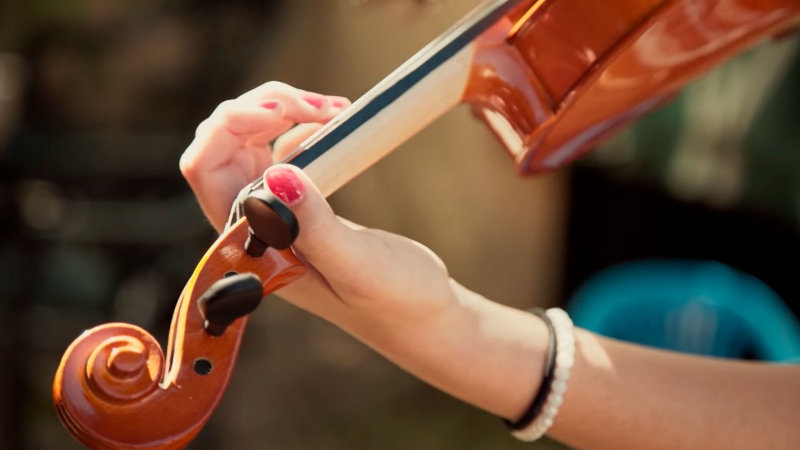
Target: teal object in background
{"x": 698, "y": 307}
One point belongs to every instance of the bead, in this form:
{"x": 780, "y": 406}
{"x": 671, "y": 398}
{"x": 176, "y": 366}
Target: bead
{"x": 564, "y": 360}
{"x": 559, "y": 386}
{"x": 562, "y": 373}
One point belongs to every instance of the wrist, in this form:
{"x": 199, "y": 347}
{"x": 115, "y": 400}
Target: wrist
{"x": 388, "y": 317}
{"x": 479, "y": 351}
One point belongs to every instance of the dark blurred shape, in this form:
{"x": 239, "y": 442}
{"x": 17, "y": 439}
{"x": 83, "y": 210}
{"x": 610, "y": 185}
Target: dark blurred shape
{"x": 698, "y": 307}
{"x": 727, "y": 141}
{"x": 12, "y": 85}
{"x": 400, "y": 8}
{"x": 614, "y": 222}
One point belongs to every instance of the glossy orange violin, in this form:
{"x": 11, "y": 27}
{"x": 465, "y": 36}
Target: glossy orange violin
{"x": 551, "y": 78}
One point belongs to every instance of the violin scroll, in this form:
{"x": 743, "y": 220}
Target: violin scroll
{"x": 116, "y": 389}
{"x": 125, "y": 366}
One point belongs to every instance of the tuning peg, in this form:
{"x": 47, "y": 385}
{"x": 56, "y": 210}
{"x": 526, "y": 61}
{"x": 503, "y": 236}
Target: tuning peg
{"x": 229, "y": 299}
{"x": 272, "y": 223}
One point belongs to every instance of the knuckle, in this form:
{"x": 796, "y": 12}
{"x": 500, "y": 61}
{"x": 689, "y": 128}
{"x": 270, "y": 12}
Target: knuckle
{"x": 225, "y": 116}
{"x": 188, "y": 166}
{"x": 225, "y": 108}
{"x": 220, "y": 116}
{"x": 202, "y": 127}
{"x": 273, "y": 88}
{"x": 275, "y": 85}
{"x": 191, "y": 160}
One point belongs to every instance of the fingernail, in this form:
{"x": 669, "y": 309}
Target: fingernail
{"x": 270, "y": 105}
{"x": 316, "y": 102}
{"x": 285, "y": 184}
{"x": 337, "y": 104}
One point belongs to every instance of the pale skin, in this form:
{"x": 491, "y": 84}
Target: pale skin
{"x": 396, "y": 296}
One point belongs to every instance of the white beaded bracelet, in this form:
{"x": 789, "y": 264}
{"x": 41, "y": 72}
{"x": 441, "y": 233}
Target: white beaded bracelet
{"x": 565, "y": 359}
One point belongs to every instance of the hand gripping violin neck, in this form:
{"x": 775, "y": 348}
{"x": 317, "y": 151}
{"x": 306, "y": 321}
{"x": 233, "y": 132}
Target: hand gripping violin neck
{"x": 551, "y": 78}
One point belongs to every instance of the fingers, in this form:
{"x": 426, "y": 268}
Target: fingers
{"x": 256, "y": 119}
{"x": 254, "y": 112}
{"x": 239, "y": 118}
{"x": 231, "y": 147}
{"x": 219, "y": 136}
{"x": 292, "y": 139}
{"x": 338, "y": 251}
{"x": 301, "y": 106}
{"x": 267, "y": 119}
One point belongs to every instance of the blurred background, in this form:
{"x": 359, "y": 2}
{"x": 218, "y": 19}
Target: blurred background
{"x": 99, "y": 98}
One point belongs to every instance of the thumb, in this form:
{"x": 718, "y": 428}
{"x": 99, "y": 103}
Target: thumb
{"x": 335, "y": 249}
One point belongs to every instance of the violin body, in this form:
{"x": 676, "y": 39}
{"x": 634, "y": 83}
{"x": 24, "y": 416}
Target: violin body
{"x": 577, "y": 71}
{"x": 551, "y": 78}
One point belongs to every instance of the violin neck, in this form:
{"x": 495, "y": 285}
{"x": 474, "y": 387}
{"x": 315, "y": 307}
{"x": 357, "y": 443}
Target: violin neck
{"x": 409, "y": 114}
{"x": 426, "y": 87}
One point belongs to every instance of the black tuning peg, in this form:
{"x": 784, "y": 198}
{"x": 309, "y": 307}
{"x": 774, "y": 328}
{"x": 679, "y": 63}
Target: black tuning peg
{"x": 272, "y": 223}
{"x": 229, "y": 299}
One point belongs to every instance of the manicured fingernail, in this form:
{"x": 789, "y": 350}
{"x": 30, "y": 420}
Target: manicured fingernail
{"x": 316, "y": 102}
{"x": 270, "y": 105}
{"x": 285, "y": 184}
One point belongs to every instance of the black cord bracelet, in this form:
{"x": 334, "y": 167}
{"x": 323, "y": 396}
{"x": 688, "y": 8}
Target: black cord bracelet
{"x": 536, "y": 406}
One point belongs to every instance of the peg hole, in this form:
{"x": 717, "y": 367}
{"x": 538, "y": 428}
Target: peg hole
{"x": 203, "y": 366}
{"x": 230, "y": 274}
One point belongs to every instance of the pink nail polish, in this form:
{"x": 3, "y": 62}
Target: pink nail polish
{"x": 316, "y": 102}
{"x": 284, "y": 184}
{"x": 270, "y": 105}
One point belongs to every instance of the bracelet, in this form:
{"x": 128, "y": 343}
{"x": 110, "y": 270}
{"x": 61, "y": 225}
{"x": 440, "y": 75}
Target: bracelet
{"x": 564, "y": 360}
{"x": 536, "y": 406}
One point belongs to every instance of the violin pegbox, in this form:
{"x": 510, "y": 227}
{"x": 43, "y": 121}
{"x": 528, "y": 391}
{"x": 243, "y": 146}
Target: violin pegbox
{"x": 116, "y": 389}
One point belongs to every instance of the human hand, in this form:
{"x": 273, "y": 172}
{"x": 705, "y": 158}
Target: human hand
{"x": 350, "y": 268}
{"x": 233, "y": 146}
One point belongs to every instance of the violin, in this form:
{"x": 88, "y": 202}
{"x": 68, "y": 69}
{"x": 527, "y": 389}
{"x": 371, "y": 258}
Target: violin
{"x": 552, "y": 79}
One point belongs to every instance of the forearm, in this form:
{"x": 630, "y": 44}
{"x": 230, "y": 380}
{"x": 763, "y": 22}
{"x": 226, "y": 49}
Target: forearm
{"x": 620, "y": 396}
